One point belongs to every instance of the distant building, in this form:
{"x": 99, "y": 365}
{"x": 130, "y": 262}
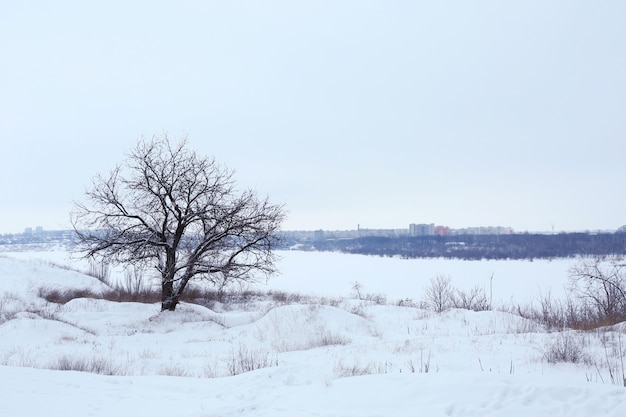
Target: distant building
{"x": 489, "y": 230}
{"x": 318, "y": 235}
{"x": 442, "y": 230}
{"x": 421, "y": 229}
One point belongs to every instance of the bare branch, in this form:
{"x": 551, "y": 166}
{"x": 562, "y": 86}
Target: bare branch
{"x": 601, "y": 282}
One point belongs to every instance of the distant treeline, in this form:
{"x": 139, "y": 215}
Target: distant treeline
{"x": 509, "y": 246}
{"x": 512, "y": 246}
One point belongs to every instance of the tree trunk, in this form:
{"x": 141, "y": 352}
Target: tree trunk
{"x": 168, "y": 298}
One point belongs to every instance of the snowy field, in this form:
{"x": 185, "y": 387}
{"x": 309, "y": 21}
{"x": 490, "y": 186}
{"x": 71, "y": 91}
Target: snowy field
{"x": 328, "y": 355}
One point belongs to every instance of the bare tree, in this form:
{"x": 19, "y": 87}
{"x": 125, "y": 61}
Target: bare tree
{"x": 600, "y": 282}
{"x": 168, "y": 207}
{"x": 439, "y": 295}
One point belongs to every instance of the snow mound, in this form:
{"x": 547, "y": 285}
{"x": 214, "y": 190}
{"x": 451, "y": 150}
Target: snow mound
{"x": 301, "y": 327}
{"x": 22, "y": 277}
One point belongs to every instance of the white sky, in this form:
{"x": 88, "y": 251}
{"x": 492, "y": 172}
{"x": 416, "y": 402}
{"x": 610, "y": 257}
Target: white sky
{"x": 378, "y": 113}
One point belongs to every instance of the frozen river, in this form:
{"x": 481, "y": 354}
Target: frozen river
{"x": 326, "y": 273}
{"x": 334, "y": 274}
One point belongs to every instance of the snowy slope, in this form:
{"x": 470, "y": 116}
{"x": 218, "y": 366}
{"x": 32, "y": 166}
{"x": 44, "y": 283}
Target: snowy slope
{"x": 331, "y": 357}
{"x": 269, "y": 392}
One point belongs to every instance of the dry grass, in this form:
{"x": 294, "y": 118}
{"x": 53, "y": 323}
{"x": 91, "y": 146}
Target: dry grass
{"x": 343, "y": 370}
{"x": 245, "y": 360}
{"x": 197, "y": 295}
{"x": 567, "y": 347}
{"x": 569, "y": 314}
{"x": 91, "y": 365}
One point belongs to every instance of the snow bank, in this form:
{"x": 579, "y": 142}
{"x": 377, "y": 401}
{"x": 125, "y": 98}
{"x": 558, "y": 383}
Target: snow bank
{"x": 40, "y": 392}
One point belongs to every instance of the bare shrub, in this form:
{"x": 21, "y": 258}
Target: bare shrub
{"x": 93, "y": 365}
{"x": 360, "y": 311}
{"x": 378, "y": 299}
{"x": 284, "y": 297}
{"x": 572, "y": 313}
{"x": 134, "y": 281}
{"x": 206, "y": 297}
{"x": 62, "y": 296}
{"x": 439, "y": 295}
{"x": 245, "y": 360}
{"x": 47, "y": 312}
{"x": 6, "y": 313}
{"x": 279, "y": 296}
{"x": 548, "y": 312}
{"x": 173, "y": 371}
{"x": 407, "y": 302}
{"x": 328, "y": 338}
{"x": 100, "y": 271}
{"x": 567, "y": 347}
{"x": 359, "y": 294}
{"x": 599, "y": 283}
{"x": 473, "y": 299}
{"x": 146, "y": 296}
{"x": 3, "y": 314}
{"x": 357, "y": 287}
{"x": 329, "y": 301}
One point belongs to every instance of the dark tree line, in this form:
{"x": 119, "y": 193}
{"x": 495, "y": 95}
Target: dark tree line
{"x": 514, "y": 246}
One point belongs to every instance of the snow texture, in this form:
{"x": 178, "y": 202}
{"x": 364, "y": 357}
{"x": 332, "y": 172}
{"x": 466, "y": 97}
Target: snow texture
{"x": 329, "y": 354}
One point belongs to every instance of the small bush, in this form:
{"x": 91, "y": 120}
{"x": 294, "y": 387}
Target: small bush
{"x": 474, "y": 299}
{"x": 146, "y": 296}
{"x": 6, "y": 314}
{"x": 360, "y": 311}
{"x": 93, "y": 365}
{"x": 245, "y": 360}
{"x": 173, "y": 371}
{"x": 571, "y": 313}
{"x": 62, "y": 296}
{"x": 439, "y": 295}
{"x": 599, "y": 283}
{"x": 566, "y": 348}
{"x": 279, "y": 296}
{"x": 378, "y": 299}
{"x": 328, "y": 338}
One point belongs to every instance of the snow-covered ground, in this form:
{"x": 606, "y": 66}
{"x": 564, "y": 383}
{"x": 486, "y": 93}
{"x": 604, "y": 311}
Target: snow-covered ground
{"x": 327, "y": 355}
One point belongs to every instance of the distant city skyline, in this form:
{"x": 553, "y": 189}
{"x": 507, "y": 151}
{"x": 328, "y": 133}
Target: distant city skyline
{"x": 436, "y": 230}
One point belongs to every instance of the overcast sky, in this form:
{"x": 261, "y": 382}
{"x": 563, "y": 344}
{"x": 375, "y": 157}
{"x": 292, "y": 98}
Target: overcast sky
{"x": 378, "y": 113}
